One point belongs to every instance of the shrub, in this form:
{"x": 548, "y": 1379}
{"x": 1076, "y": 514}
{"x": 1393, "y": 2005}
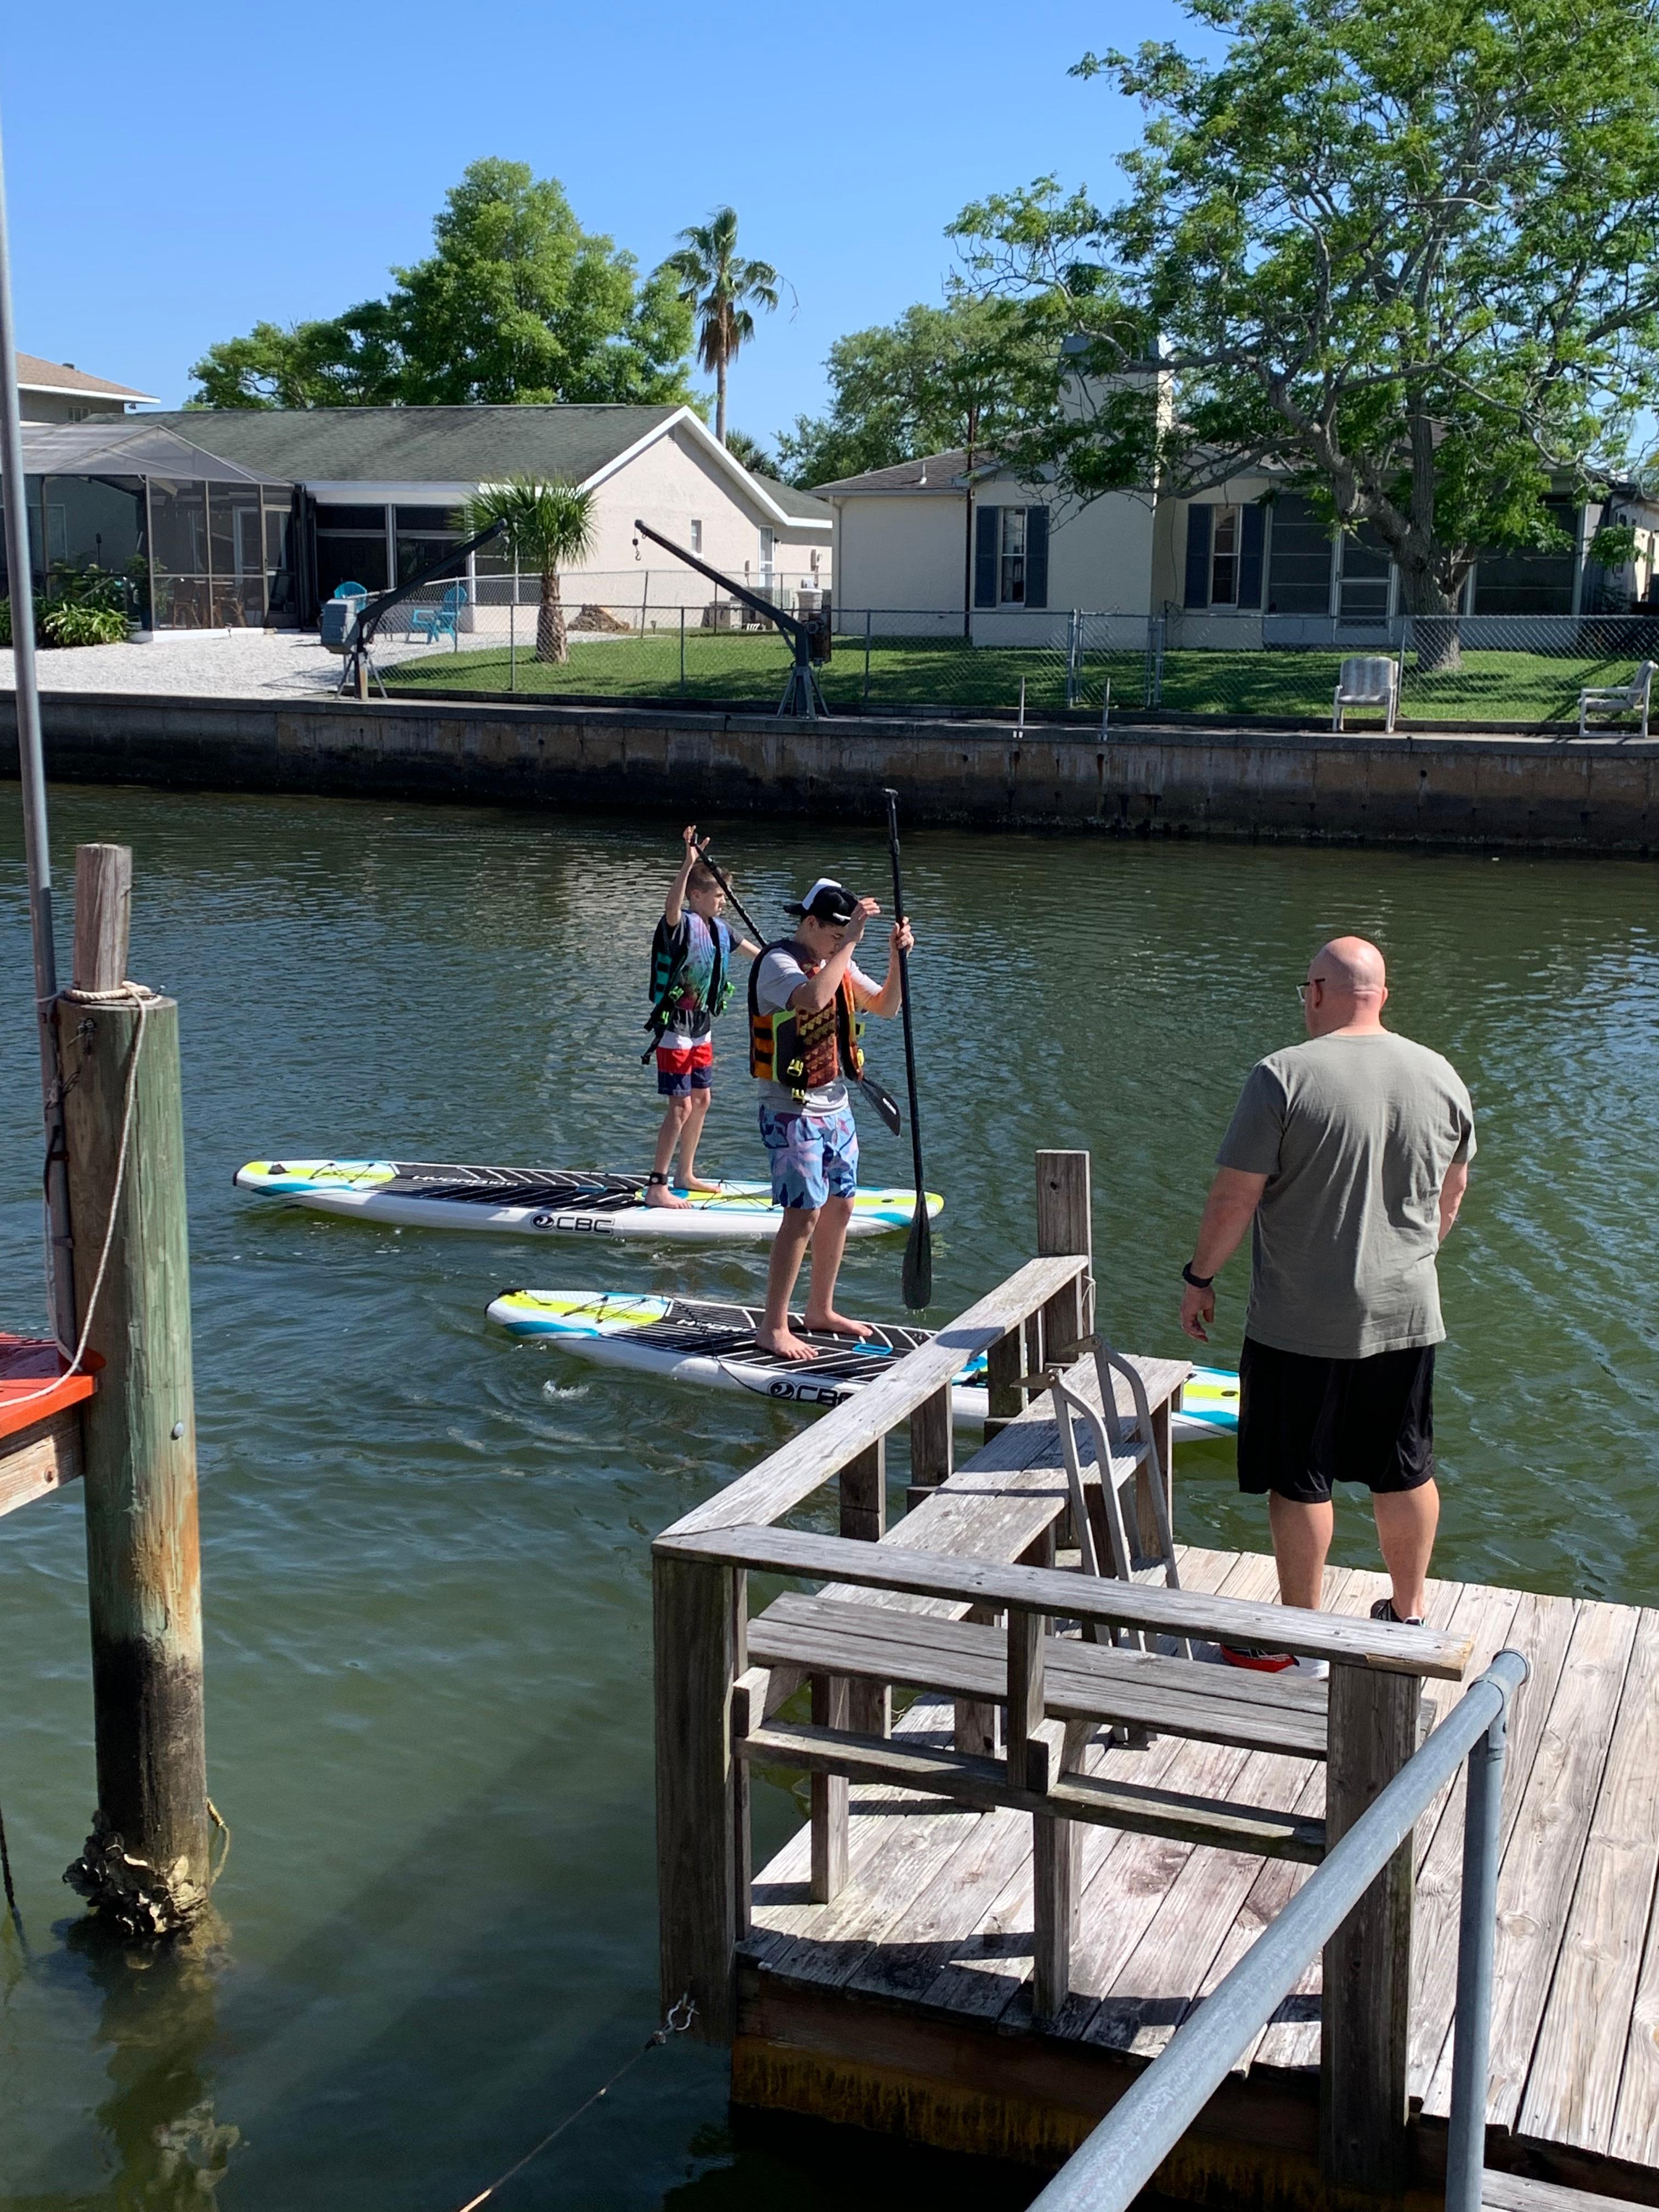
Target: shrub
{"x": 66, "y": 622}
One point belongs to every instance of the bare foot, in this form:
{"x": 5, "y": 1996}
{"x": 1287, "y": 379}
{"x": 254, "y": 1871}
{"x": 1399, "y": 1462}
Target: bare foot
{"x": 834, "y": 1324}
{"x": 699, "y": 1182}
{"x": 658, "y": 1193}
{"x": 783, "y": 1344}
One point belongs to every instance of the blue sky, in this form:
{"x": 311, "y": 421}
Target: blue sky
{"x": 176, "y": 173}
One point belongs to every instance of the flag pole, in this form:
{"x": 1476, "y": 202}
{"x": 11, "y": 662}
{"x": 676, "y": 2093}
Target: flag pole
{"x": 37, "y": 849}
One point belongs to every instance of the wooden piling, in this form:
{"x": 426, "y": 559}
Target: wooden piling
{"x": 696, "y": 1614}
{"x": 146, "y": 1863}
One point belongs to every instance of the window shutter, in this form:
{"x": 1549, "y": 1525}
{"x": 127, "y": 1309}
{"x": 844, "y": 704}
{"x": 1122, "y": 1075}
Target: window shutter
{"x": 1252, "y": 536}
{"x": 1037, "y": 556}
{"x": 1200, "y": 521}
{"x": 987, "y": 523}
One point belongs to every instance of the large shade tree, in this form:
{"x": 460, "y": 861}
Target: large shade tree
{"x": 963, "y": 375}
{"x": 716, "y": 282}
{"x": 1407, "y": 249}
{"x": 549, "y": 525}
{"x": 515, "y": 302}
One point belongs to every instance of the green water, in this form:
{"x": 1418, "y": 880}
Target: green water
{"x": 425, "y": 1559}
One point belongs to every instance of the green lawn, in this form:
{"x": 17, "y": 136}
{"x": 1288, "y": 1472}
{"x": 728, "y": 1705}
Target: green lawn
{"x": 727, "y": 670}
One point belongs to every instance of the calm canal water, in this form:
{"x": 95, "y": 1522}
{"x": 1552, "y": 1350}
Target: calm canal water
{"x": 426, "y": 1549}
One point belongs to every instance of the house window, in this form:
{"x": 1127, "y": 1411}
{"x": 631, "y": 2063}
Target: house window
{"x": 1363, "y": 589}
{"x": 768, "y": 547}
{"x": 696, "y": 538}
{"x": 1532, "y": 583}
{"x": 1223, "y": 557}
{"x": 1011, "y": 556}
{"x": 1299, "y": 565}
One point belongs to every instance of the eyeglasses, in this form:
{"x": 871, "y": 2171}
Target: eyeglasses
{"x": 1303, "y": 989}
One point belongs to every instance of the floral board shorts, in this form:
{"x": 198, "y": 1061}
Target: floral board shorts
{"x": 814, "y": 1156}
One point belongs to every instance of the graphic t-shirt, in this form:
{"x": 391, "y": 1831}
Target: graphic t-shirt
{"x": 687, "y": 1014}
{"x": 779, "y": 976}
{"x": 1354, "y": 1136}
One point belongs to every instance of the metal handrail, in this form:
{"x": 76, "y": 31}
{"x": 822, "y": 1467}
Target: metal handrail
{"x": 1124, "y": 2152}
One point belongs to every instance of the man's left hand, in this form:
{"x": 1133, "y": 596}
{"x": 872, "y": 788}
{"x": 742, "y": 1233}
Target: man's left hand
{"x": 1196, "y": 1308}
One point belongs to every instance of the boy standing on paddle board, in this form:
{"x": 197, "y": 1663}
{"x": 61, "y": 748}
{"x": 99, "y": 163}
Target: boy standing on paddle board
{"x": 690, "y": 984}
{"x": 807, "y": 1003}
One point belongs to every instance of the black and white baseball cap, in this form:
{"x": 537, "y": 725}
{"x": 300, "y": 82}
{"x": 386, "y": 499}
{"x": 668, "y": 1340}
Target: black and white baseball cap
{"x": 826, "y": 902}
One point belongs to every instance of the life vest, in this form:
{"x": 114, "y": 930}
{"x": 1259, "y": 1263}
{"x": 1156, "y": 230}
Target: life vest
{"x": 803, "y": 1051}
{"x": 690, "y": 971}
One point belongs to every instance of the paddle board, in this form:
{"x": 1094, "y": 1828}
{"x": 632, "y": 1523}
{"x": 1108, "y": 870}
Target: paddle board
{"x": 548, "y": 1202}
{"x": 709, "y": 1342}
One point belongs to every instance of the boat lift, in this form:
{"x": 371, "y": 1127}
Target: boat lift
{"x": 354, "y": 636}
{"x": 809, "y": 635}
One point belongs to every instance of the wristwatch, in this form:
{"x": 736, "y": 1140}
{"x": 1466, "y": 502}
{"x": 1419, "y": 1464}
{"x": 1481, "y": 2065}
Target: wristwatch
{"x": 1198, "y": 1282}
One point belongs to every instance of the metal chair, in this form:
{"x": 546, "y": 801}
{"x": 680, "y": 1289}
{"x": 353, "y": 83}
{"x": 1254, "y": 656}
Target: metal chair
{"x": 1123, "y": 1447}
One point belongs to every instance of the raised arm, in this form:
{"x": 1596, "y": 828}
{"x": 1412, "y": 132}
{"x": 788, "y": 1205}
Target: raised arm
{"x": 1451, "y": 1195}
{"x": 673, "y": 905}
{"x": 1228, "y": 1212}
{"x": 816, "y": 992}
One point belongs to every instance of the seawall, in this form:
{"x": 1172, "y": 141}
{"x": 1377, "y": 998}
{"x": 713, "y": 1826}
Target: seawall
{"x": 1598, "y": 794}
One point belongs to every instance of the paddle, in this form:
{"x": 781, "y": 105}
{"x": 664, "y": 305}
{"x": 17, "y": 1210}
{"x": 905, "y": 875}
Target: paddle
{"x": 918, "y": 1252}
{"x": 884, "y": 1103}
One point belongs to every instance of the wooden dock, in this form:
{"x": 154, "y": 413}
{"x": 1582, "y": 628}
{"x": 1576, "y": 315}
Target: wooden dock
{"x": 1045, "y": 1820}
{"x": 905, "y": 2005}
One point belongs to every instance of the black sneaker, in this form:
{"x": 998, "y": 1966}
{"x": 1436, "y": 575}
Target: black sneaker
{"x": 1383, "y": 1610}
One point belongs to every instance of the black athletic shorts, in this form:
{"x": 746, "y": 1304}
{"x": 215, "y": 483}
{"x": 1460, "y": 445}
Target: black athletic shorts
{"x": 1304, "y": 1424}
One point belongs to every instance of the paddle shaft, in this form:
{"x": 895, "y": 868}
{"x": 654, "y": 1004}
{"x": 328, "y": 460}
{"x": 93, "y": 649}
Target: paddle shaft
{"x": 920, "y": 1240}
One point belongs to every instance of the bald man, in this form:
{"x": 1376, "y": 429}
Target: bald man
{"x": 1348, "y": 1156}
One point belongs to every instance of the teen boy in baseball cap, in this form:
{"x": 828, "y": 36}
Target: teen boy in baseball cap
{"x": 807, "y": 999}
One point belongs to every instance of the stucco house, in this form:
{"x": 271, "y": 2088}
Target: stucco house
{"x": 931, "y": 544}
{"x": 380, "y": 491}
{"x": 58, "y": 392}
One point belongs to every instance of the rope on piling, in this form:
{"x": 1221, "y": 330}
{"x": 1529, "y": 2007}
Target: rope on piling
{"x": 679, "y": 2019}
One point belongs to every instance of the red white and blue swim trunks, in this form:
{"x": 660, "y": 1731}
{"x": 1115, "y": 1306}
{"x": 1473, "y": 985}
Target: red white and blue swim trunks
{"x": 684, "y": 1068}
{"x": 814, "y": 1157}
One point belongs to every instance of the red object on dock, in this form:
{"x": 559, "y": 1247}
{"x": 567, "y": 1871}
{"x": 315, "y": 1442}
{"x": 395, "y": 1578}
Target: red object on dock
{"x": 27, "y": 1364}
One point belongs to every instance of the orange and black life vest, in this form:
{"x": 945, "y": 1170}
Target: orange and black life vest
{"x": 803, "y": 1051}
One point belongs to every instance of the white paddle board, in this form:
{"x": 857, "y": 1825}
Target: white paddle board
{"x": 548, "y": 1202}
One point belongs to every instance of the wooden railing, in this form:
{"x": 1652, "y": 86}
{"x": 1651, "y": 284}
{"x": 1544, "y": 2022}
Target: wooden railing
{"x": 714, "y": 1710}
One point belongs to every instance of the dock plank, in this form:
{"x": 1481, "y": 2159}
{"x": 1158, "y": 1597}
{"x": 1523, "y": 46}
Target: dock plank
{"x": 1541, "y": 1630}
{"x": 1540, "y": 1865}
{"x": 1573, "y": 2084}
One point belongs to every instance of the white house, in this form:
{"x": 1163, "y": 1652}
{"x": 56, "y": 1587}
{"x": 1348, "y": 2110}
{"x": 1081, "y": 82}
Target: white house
{"x": 1250, "y": 563}
{"x": 58, "y": 392}
{"x": 381, "y": 491}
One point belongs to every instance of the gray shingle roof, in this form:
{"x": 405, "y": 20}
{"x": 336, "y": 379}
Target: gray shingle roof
{"x": 930, "y": 472}
{"x": 417, "y": 445}
{"x": 800, "y": 504}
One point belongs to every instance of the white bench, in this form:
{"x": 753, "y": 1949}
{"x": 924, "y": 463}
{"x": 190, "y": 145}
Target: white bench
{"x": 1367, "y": 680}
{"x": 1610, "y": 702}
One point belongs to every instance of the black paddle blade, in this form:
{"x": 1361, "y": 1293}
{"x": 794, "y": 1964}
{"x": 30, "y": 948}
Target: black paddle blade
{"x": 918, "y": 1259}
{"x": 884, "y": 1103}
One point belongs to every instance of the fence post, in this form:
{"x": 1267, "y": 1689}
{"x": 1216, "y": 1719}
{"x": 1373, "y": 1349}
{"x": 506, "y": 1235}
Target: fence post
{"x": 864, "y": 1519}
{"x": 697, "y": 1636}
{"x": 1483, "y": 1829}
{"x": 1365, "y": 2009}
{"x": 146, "y": 1862}
{"x": 933, "y": 1447}
{"x": 682, "y": 648}
{"x": 867, "y": 619}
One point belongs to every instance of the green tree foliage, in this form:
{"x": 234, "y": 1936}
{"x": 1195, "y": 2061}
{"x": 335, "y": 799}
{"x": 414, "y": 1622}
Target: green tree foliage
{"x": 550, "y": 523}
{"x": 1407, "y": 249}
{"x": 963, "y": 375}
{"x": 516, "y": 302}
{"x": 750, "y": 452}
{"x": 715, "y": 282}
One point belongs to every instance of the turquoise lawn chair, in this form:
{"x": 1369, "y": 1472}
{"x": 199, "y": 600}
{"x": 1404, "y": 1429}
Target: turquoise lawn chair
{"x": 434, "y": 623}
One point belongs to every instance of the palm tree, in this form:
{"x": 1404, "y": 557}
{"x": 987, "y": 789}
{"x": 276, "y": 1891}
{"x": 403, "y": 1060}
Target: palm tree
{"x": 550, "y": 523}
{"x": 714, "y": 282}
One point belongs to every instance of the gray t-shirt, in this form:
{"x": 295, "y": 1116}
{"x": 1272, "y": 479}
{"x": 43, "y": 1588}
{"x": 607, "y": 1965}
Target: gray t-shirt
{"x": 1355, "y": 1135}
{"x": 777, "y": 979}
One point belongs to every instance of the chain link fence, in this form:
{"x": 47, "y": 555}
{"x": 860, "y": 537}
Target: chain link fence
{"x": 1069, "y": 666}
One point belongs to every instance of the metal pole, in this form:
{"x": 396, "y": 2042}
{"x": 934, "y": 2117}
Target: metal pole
{"x": 682, "y": 648}
{"x": 1124, "y": 2152}
{"x": 1483, "y": 1820}
{"x": 513, "y": 636}
{"x": 868, "y": 619}
{"x": 31, "y": 769}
